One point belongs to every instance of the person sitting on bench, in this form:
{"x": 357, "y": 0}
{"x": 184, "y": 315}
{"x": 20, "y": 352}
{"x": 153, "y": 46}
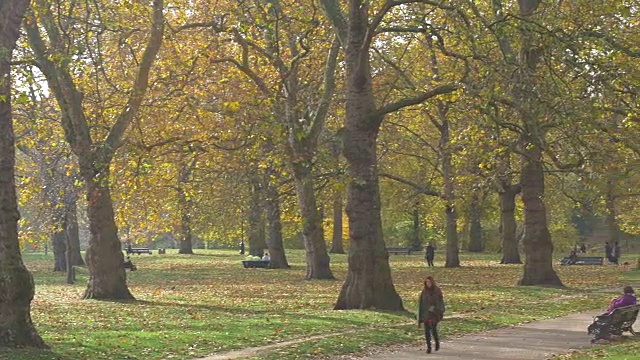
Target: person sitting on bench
{"x": 266, "y": 257}
{"x": 628, "y": 298}
{"x": 573, "y": 257}
{"x": 129, "y": 265}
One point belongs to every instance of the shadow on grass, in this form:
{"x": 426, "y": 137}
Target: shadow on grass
{"x": 33, "y": 354}
{"x": 338, "y": 319}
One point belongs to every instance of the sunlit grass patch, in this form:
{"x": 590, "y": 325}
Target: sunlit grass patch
{"x": 190, "y": 306}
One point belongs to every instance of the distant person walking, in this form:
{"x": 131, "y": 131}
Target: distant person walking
{"x": 616, "y": 253}
{"x": 430, "y": 254}
{"x": 583, "y": 248}
{"x": 608, "y": 250}
{"x": 430, "y": 311}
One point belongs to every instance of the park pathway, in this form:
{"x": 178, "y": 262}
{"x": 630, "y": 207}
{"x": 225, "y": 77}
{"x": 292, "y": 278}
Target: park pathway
{"x": 538, "y": 340}
{"x": 531, "y": 341}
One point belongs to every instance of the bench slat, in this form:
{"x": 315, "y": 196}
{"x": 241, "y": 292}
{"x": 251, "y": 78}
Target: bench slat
{"x": 615, "y": 323}
{"x": 399, "y": 250}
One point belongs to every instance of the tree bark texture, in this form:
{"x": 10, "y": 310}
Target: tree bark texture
{"x": 72, "y": 233}
{"x": 16, "y": 282}
{"x": 107, "y": 279}
{"x": 104, "y": 256}
{"x": 451, "y": 215}
{"x": 186, "y": 235}
{"x": 274, "y": 224}
{"x": 538, "y": 248}
{"x": 610, "y": 219}
{"x": 368, "y": 283}
{"x": 416, "y": 240}
{"x": 59, "y": 246}
{"x": 312, "y": 229}
{"x": 337, "y": 243}
{"x": 508, "y": 226}
{"x": 475, "y": 223}
{"x": 448, "y": 171}
{"x": 257, "y": 242}
{"x": 303, "y": 133}
{"x": 185, "y": 204}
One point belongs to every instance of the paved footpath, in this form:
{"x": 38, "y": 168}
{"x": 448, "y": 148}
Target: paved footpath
{"x": 532, "y": 341}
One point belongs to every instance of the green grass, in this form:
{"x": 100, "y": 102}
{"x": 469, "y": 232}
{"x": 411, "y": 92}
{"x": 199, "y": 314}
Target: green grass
{"x": 627, "y": 349}
{"x": 191, "y": 306}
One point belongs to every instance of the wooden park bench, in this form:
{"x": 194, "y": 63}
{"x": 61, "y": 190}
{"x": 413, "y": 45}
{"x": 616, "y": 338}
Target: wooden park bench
{"x": 139, "y": 251}
{"x": 582, "y": 260}
{"x": 614, "y": 323}
{"x": 399, "y": 250}
{"x": 255, "y": 263}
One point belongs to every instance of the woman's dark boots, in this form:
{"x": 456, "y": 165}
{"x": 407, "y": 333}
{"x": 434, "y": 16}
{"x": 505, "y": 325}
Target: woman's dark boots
{"x": 429, "y": 329}
{"x": 427, "y": 335}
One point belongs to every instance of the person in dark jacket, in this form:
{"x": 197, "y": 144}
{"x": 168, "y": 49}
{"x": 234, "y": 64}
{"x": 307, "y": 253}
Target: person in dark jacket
{"x": 607, "y": 251}
{"x": 430, "y": 311}
{"x": 617, "y": 252}
{"x": 430, "y": 254}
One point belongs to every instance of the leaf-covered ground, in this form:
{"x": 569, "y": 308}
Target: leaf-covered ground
{"x": 190, "y": 306}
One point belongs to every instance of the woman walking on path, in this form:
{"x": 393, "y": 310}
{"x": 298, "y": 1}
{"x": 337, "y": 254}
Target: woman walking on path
{"x": 430, "y": 311}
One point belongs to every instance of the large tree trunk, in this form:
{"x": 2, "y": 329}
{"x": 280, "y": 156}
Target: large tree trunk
{"x": 475, "y": 223}
{"x": 108, "y": 279}
{"x": 67, "y": 239}
{"x": 508, "y": 226}
{"x": 368, "y": 283}
{"x": 104, "y": 256}
{"x": 312, "y": 230}
{"x": 72, "y": 233}
{"x": 59, "y": 245}
{"x": 257, "y": 242}
{"x": 610, "y": 218}
{"x": 451, "y": 229}
{"x": 274, "y": 242}
{"x": 538, "y": 248}
{"x": 186, "y": 236}
{"x": 451, "y": 215}
{"x": 337, "y": 243}
{"x": 185, "y": 204}
{"x": 16, "y": 282}
{"x": 416, "y": 240}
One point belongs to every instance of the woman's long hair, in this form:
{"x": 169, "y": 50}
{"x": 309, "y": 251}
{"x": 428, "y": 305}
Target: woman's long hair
{"x": 434, "y": 287}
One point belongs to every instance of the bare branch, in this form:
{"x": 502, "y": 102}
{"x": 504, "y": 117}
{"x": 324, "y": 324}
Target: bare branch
{"x": 333, "y": 12}
{"x": 140, "y": 85}
{"x": 422, "y": 189}
{"x": 439, "y": 90}
{"x": 329, "y": 87}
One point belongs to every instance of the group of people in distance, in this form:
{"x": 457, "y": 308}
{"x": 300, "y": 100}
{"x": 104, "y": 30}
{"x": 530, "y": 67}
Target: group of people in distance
{"x": 612, "y": 253}
{"x": 265, "y": 257}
